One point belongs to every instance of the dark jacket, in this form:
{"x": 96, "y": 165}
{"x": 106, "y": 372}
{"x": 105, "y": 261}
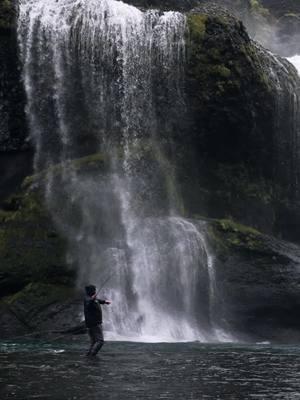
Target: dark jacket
{"x": 92, "y": 311}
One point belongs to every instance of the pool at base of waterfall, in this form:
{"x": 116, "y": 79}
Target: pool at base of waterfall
{"x": 36, "y": 369}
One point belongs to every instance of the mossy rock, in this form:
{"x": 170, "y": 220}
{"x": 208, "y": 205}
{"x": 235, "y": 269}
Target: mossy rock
{"x": 257, "y": 7}
{"x": 256, "y": 282}
{"x": 230, "y": 239}
{"x": 7, "y": 15}
{"x": 228, "y": 164}
{"x": 31, "y": 248}
{"x": 40, "y": 308}
{"x": 93, "y": 163}
{"x": 229, "y": 236}
{"x": 229, "y": 91}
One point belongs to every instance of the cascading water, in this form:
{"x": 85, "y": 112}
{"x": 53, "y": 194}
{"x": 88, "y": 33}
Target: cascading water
{"x": 103, "y": 77}
{"x": 295, "y": 60}
{"x": 286, "y": 122}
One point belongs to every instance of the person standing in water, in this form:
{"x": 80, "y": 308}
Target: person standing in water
{"x": 93, "y": 319}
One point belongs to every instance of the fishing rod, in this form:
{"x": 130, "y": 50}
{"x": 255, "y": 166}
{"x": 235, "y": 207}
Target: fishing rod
{"x": 62, "y": 332}
{"x": 101, "y": 287}
{"x": 105, "y": 282}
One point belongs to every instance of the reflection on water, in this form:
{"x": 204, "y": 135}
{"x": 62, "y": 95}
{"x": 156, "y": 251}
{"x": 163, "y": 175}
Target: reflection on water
{"x": 39, "y": 370}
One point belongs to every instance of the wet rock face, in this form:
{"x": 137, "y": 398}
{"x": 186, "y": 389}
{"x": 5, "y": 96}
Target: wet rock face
{"x": 16, "y": 157}
{"x": 14, "y": 167}
{"x": 242, "y": 106}
{"x": 178, "y": 5}
{"x": 31, "y": 248}
{"x": 257, "y": 280}
{"x": 7, "y": 15}
{"x": 41, "y": 309}
{"x": 281, "y": 7}
{"x": 221, "y": 65}
{"x": 275, "y": 23}
{"x": 36, "y": 281}
{"x": 236, "y": 6}
{"x": 13, "y": 127}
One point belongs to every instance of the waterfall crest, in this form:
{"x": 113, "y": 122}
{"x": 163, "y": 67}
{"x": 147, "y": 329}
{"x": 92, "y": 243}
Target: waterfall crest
{"x": 104, "y": 77}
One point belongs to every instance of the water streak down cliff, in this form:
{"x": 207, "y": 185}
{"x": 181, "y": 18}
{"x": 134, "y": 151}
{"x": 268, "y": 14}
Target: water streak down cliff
{"x": 102, "y": 76}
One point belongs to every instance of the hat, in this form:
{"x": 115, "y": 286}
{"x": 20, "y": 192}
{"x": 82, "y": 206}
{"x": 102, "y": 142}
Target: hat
{"x": 90, "y": 290}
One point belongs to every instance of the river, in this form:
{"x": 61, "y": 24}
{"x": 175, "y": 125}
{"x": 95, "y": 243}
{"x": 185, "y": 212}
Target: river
{"x": 59, "y": 370}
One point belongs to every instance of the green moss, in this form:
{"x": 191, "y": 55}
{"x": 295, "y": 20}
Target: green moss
{"x": 7, "y": 14}
{"x": 220, "y": 71}
{"x": 258, "y": 8}
{"x": 228, "y": 225}
{"x": 219, "y": 66}
{"x": 30, "y": 248}
{"x": 227, "y": 235}
{"x": 223, "y": 63}
{"x": 197, "y": 26}
{"x": 95, "y": 162}
{"x": 292, "y": 15}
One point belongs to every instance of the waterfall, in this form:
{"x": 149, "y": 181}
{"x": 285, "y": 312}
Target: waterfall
{"x": 286, "y": 122}
{"x": 105, "y": 78}
{"x": 295, "y": 60}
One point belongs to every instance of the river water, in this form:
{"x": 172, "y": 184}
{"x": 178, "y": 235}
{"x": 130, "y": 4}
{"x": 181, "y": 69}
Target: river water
{"x": 123, "y": 370}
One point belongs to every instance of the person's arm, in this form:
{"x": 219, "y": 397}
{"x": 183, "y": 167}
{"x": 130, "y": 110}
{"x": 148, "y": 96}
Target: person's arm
{"x": 100, "y": 300}
{"x": 104, "y": 301}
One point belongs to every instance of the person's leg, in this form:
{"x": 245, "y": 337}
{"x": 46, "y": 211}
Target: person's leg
{"x": 92, "y": 339}
{"x": 99, "y": 340}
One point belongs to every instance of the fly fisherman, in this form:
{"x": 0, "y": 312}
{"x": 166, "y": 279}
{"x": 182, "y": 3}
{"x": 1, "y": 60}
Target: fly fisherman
{"x": 93, "y": 319}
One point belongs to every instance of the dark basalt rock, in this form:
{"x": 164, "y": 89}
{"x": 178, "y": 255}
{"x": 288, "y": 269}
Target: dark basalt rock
{"x": 257, "y": 283}
{"x": 14, "y": 167}
{"x": 281, "y": 7}
{"x": 7, "y": 15}
{"x": 41, "y": 310}
{"x": 256, "y": 292}
{"x": 37, "y": 292}
{"x": 176, "y": 5}
{"x": 13, "y": 126}
{"x": 31, "y": 248}
{"x": 16, "y": 155}
{"x": 238, "y": 158}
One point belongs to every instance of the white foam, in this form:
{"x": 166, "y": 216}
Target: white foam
{"x": 295, "y": 60}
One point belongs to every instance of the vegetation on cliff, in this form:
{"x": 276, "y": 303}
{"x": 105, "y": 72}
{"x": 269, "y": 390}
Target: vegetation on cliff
{"x": 31, "y": 248}
{"x": 256, "y": 282}
{"x": 229, "y": 161}
{"x": 36, "y": 282}
{"x": 7, "y": 15}
{"x": 226, "y": 167}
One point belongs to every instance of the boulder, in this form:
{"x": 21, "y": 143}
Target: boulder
{"x": 41, "y": 310}
{"x": 237, "y": 154}
{"x": 257, "y": 283}
{"x": 36, "y": 280}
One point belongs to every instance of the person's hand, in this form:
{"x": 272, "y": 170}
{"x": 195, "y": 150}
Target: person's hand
{"x": 107, "y": 301}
